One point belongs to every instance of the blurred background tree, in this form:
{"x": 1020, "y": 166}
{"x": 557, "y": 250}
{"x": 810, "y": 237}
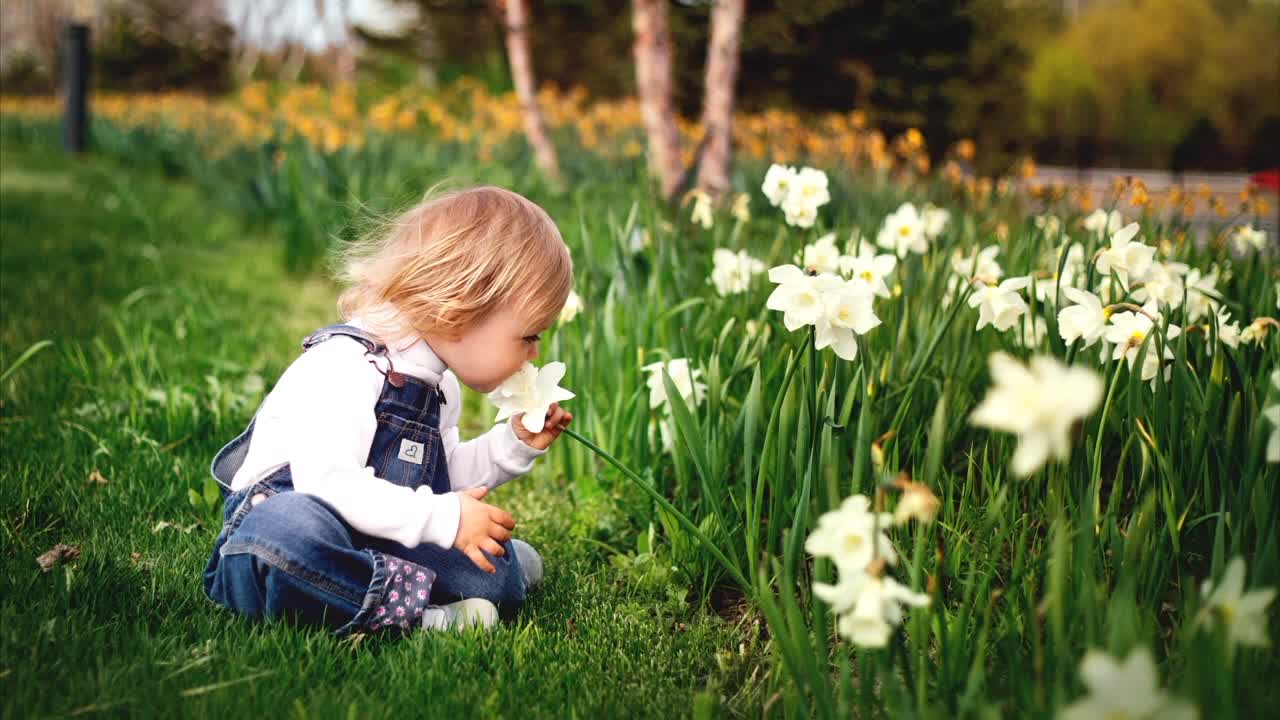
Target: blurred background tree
{"x": 1160, "y": 83}
{"x": 137, "y": 44}
{"x": 1186, "y": 84}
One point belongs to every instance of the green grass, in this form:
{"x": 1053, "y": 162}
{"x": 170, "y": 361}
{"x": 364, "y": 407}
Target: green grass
{"x": 161, "y": 352}
{"x": 169, "y": 319}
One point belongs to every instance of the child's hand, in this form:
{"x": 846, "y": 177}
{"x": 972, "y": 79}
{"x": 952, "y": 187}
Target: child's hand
{"x": 481, "y": 526}
{"x": 557, "y": 420}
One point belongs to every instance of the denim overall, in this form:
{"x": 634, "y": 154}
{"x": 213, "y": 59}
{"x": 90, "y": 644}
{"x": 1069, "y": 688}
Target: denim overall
{"x": 282, "y": 552}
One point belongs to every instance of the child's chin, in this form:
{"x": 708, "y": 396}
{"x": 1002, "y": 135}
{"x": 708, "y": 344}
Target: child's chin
{"x": 484, "y": 389}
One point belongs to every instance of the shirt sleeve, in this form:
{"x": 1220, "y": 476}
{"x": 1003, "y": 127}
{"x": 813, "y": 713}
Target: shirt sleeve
{"x": 330, "y": 428}
{"x": 489, "y": 460}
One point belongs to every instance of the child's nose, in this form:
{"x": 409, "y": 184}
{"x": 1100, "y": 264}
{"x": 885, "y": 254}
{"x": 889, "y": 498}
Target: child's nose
{"x": 533, "y": 351}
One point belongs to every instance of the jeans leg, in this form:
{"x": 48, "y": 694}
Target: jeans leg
{"x": 291, "y": 554}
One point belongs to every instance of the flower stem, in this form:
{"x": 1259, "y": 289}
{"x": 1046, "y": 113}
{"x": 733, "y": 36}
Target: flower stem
{"x": 1097, "y": 445}
{"x": 715, "y": 551}
{"x": 924, "y": 360}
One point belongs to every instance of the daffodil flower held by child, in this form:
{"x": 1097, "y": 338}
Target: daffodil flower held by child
{"x": 350, "y": 499}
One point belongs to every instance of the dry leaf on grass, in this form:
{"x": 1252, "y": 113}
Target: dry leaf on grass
{"x": 57, "y": 554}
{"x": 95, "y": 478}
{"x": 136, "y": 559}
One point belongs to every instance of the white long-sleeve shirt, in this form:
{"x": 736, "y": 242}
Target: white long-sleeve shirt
{"x": 319, "y": 418}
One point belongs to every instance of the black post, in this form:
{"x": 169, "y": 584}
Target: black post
{"x": 75, "y": 83}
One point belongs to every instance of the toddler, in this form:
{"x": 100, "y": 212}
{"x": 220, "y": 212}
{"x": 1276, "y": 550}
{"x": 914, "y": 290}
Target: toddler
{"x": 350, "y": 499}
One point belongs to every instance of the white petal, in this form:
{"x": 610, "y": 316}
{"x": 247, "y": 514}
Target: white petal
{"x": 533, "y": 419}
{"x": 844, "y": 345}
{"x": 786, "y": 274}
{"x": 1124, "y": 234}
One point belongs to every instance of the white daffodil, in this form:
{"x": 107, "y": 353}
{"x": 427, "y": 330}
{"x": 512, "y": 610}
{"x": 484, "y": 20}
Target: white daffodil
{"x": 1202, "y": 293}
{"x": 572, "y": 306}
{"x": 741, "y": 210}
{"x": 1163, "y": 283}
{"x": 838, "y": 309}
{"x": 660, "y": 430}
{"x": 981, "y": 265}
{"x": 1129, "y": 260}
{"x": 822, "y": 255}
{"x": 869, "y": 269}
{"x": 868, "y": 605}
{"x": 1246, "y": 239}
{"x": 702, "y": 211}
{"x": 1047, "y": 288}
{"x": 1101, "y": 222}
{"x": 1039, "y": 403}
{"x": 1000, "y": 305}
{"x": 1243, "y": 613}
{"x": 848, "y": 313}
{"x": 1228, "y": 332}
{"x": 1272, "y": 414}
{"x": 778, "y": 182}
{"x": 799, "y": 214}
{"x": 684, "y": 378}
{"x": 935, "y": 220}
{"x": 876, "y": 607}
{"x": 797, "y": 297}
{"x": 1049, "y": 224}
{"x": 1128, "y": 690}
{"x": 1085, "y": 320}
{"x": 811, "y": 188}
{"x": 845, "y": 535}
{"x": 532, "y": 391}
{"x": 1127, "y": 332}
{"x": 799, "y": 193}
{"x": 903, "y": 232}
{"x": 731, "y": 272}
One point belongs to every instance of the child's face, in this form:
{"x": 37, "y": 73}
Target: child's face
{"x": 490, "y": 351}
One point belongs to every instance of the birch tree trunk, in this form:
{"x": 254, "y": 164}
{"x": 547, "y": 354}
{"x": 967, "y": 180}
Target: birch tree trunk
{"x": 652, "y": 50}
{"x": 516, "y": 26}
{"x": 717, "y": 101}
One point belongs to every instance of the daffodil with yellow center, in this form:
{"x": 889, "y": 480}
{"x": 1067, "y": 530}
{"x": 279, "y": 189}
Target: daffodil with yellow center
{"x": 1242, "y": 614}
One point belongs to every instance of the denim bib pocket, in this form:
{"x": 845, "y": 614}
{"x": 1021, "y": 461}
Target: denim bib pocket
{"x": 407, "y": 450}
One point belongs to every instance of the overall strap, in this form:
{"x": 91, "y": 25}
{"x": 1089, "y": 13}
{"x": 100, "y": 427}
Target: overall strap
{"x": 373, "y": 347}
{"x": 371, "y": 343}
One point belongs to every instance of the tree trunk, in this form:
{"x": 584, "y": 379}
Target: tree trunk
{"x": 516, "y": 27}
{"x": 717, "y": 107}
{"x": 652, "y": 51}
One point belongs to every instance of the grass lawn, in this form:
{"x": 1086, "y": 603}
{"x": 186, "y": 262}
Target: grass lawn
{"x": 169, "y": 320}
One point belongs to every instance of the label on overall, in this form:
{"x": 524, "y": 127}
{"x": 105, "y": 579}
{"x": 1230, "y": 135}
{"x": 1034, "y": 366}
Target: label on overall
{"x": 411, "y": 451}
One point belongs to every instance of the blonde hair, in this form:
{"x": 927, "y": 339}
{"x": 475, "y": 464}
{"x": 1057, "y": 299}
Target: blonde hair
{"x": 445, "y": 263}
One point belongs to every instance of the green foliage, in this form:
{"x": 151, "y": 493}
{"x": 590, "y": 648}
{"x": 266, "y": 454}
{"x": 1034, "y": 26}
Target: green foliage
{"x": 1132, "y": 79}
{"x": 147, "y": 289}
{"x": 1105, "y": 550}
